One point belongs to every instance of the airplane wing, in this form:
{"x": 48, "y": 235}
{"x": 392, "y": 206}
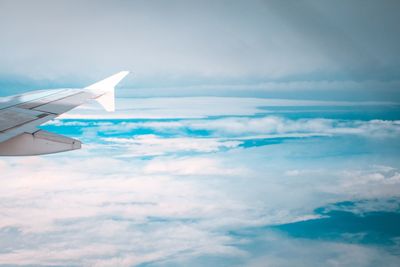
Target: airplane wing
{"x": 21, "y": 115}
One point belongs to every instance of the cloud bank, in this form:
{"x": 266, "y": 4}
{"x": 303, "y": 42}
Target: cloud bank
{"x": 185, "y": 42}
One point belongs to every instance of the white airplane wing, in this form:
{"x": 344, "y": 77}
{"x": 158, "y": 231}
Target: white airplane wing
{"x": 21, "y": 115}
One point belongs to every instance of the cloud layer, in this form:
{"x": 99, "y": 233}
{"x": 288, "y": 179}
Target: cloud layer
{"x": 193, "y": 42}
{"x": 181, "y": 192}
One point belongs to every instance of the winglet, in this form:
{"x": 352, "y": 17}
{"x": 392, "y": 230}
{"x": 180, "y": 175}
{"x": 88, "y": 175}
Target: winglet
{"x": 109, "y": 82}
{"x": 104, "y": 90}
{"x": 107, "y": 100}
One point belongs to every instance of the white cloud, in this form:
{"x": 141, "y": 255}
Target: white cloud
{"x": 191, "y": 166}
{"x": 183, "y": 201}
{"x": 152, "y": 145}
{"x": 244, "y": 127}
{"x": 278, "y": 250}
{"x": 163, "y": 209}
{"x": 194, "y": 107}
{"x": 280, "y": 125}
{"x": 114, "y": 203}
{"x": 376, "y": 184}
{"x": 360, "y": 182}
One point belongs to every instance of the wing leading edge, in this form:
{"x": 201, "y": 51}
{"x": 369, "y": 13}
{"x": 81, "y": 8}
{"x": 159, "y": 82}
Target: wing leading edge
{"x": 21, "y": 115}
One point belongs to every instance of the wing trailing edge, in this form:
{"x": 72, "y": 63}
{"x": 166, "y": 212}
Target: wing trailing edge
{"x": 38, "y": 143}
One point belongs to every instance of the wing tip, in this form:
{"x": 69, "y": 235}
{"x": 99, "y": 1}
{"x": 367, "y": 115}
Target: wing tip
{"x": 109, "y": 82}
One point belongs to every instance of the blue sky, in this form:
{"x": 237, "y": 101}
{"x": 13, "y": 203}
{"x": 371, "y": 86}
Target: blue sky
{"x": 261, "y": 133}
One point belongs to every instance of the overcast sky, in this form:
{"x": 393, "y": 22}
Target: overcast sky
{"x": 169, "y": 43}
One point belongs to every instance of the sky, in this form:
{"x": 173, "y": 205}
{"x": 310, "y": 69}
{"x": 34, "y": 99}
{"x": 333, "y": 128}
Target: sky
{"x": 249, "y": 133}
{"x": 205, "y": 47}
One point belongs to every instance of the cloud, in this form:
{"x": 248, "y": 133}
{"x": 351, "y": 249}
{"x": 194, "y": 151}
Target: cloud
{"x": 82, "y": 205}
{"x": 175, "y": 208}
{"x": 280, "y": 125}
{"x": 328, "y": 90}
{"x": 191, "y": 166}
{"x": 374, "y": 183}
{"x": 152, "y": 145}
{"x": 274, "y": 248}
{"x": 179, "y": 191}
{"x": 358, "y": 181}
{"x": 196, "y": 107}
{"x": 227, "y": 132}
{"x": 266, "y": 39}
